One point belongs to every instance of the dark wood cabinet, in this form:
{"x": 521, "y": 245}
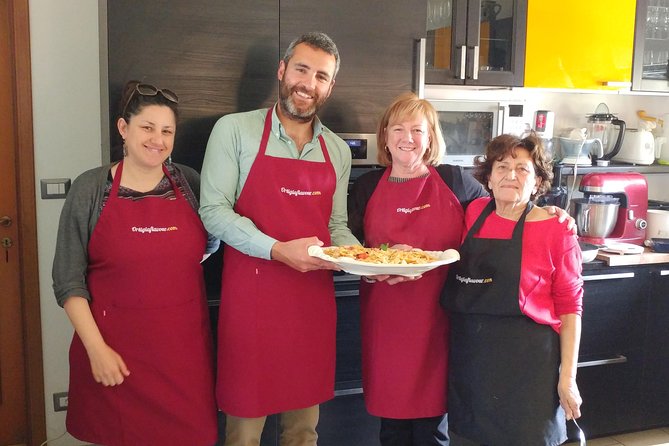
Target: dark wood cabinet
{"x": 375, "y": 39}
{"x": 476, "y": 42}
{"x": 219, "y": 57}
{"x": 656, "y": 370}
{"x": 624, "y": 355}
{"x": 615, "y": 304}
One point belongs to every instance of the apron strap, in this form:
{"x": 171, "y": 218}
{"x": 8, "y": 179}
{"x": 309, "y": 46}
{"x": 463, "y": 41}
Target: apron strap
{"x": 490, "y": 207}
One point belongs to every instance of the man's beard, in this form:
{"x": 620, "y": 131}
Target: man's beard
{"x": 289, "y": 108}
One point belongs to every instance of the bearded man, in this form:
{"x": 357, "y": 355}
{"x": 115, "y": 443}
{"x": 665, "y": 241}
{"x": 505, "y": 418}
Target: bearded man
{"x": 274, "y": 182}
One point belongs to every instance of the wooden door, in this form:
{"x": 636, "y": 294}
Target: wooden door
{"x": 21, "y": 383}
{"x": 12, "y": 373}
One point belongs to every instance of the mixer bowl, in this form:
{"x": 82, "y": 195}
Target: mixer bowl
{"x": 595, "y": 219}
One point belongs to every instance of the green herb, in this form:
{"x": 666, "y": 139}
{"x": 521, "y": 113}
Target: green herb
{"x": 384, "y": 247}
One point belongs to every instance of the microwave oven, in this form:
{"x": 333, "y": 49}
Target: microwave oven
{"x": 467, "y": 126}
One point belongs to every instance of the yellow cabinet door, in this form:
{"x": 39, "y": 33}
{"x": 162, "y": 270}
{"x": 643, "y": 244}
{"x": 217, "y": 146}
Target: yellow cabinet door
{"x": 580, "y": 44}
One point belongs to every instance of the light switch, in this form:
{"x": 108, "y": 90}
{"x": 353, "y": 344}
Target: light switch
{"x": 54, "y": 188}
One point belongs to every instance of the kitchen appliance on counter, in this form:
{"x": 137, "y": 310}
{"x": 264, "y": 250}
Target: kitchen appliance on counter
{"x": 467, "y": 126}
{"x": 638, "y": 147}
{"x": 609, "y": 129}
{"x": 658, "y": 223}
{"x": 600, "y": 219}
{"x": 579, "y": 151}
{"x": 662, "y": 150}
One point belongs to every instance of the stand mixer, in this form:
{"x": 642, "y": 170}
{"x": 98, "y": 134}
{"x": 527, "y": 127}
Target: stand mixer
{"x": 626, "y": 220}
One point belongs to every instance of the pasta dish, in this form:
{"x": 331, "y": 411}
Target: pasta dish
{"x": 388, "y": 256}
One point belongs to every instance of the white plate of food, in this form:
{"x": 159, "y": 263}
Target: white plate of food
{"x": 363, "y": 261}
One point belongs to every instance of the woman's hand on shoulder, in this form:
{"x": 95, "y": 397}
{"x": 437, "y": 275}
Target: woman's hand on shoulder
{"x": 562, "y": 216}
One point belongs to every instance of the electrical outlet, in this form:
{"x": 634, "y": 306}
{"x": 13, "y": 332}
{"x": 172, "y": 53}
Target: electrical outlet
{"x": 60, "y": 401}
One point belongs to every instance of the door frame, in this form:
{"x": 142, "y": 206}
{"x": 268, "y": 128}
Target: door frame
{"x": 27, "y": 220}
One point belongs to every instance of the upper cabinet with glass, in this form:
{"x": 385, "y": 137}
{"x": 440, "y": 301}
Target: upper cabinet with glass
{"x": 579, "y": 44}
{"x": 651, "y": 46}
{"x": 475, "y": 42}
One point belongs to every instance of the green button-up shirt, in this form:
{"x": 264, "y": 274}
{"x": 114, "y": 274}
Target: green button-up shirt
{"x": 231, "y": 151}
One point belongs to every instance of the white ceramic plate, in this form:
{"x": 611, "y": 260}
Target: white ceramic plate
{"x": 359, "y": 268}
{"x": 622, "y": 248}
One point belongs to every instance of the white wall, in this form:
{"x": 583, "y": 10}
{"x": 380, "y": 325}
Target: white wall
{"x": 570, "y": 111}
{"x": 66, "y": 113}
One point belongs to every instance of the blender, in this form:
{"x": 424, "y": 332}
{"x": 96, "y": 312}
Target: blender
{"x": 602, "y": 125}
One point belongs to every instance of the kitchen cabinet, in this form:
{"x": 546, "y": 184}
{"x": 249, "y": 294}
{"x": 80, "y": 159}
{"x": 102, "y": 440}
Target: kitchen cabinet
{"x": 376, "y": 42}
{"x": 656, "y": 369}
{"x": 624, "y": 355}
{"x": 344, "y": 421}
{"x": 579, "y": 44}
{"x": 219, "y": 57}
{"x": 475, "y": 42}
{"x": 651, "y": 46}
{"x": 615, "y": 304}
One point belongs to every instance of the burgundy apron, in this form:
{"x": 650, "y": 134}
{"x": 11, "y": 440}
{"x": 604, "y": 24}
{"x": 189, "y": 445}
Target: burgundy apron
{"x": 504, "y": 366}
{"x": 277, "y": 326}
{"x": 404, "y": 331}
{"x": 147, "y": 290}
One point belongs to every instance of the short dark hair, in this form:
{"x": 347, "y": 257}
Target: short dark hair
{"x": 316, "y": 40}
{"x": 503, "y": 145}
{"x": 132, "y": 104}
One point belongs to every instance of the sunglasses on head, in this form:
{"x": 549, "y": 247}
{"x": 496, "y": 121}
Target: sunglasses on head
{"x": 150, "y": 90}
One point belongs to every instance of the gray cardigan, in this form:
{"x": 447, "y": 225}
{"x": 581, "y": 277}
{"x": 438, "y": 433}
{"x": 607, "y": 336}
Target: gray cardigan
{"x": 78, "y": 219}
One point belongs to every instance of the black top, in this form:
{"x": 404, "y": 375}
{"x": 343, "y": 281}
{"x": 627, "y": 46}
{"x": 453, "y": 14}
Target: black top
{"x": 463, "y": 185}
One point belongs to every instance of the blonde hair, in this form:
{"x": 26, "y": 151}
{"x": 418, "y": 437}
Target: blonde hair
{"x": 407, "y": 106}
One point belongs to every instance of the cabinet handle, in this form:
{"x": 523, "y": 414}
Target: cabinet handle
{"x": 475, "y": 69}
{"x": 419, "y": 72}
{"x": 664, "y": 272}
{"x": 620, "y": 359}
{"x": 608, "y": 276}
{"x": 347, "y": 293}
{"x": 617, "y": 84}
{"x": 463, "y": 61}
{"x": 344, "y": 392}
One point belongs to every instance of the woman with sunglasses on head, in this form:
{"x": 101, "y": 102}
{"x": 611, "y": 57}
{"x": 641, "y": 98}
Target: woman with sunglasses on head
{"x": 127, "y": 272}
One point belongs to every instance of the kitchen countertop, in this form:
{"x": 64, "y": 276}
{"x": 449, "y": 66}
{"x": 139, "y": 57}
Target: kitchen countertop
{"x": 648, "y": 257}
{"x": 605, "y": 260}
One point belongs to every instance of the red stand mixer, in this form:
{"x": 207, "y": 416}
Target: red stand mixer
{"x": 613, "y": 209}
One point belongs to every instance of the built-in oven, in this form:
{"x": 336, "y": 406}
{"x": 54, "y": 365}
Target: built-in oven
{"x": 363, "y": 148}
{"x": 348, "y": 371}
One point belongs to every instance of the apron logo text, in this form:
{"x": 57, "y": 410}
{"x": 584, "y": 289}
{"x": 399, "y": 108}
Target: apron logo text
{"x": 150, "y": 229}
{"x": 411, "y": 210}
{"x": 296, "y": 193}
{"x": 469, "y": 280}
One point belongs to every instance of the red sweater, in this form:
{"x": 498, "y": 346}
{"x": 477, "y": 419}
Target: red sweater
{"x": 550, "y": 280}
